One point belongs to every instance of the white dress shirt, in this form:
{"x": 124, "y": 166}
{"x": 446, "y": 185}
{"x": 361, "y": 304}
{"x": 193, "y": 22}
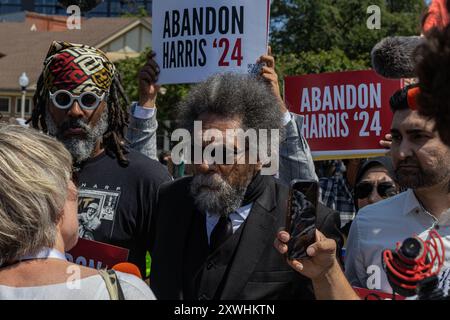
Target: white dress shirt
{"x": 237, "y": 219}
{"x": 380, "y": 226}
{"x": 286, "y": 118}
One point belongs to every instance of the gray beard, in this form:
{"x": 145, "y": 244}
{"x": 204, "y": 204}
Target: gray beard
{"x": 223, "y": 201}
{"x": 80, "y": 149}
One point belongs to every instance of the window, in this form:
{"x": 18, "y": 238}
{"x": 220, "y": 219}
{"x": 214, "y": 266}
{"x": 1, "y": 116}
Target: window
{"x": 46, "y": 2}
{"x": 19, "y": 106}
{"x": 4, "y": 104}
{"x": 10, "y": 6}
{"x": 46, "y": 6}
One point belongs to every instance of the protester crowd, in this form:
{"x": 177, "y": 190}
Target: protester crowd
{"x": 89, "y": 169}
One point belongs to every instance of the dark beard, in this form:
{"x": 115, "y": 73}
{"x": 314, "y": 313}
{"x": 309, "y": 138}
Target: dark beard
{"x": 220, "y": 198}
{"x": 419, "y": 177}
{"x": 81, "y": 149}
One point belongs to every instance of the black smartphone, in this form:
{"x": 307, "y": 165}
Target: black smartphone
{"x": 301, "y": 217}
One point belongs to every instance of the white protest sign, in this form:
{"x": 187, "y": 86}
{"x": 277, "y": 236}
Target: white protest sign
{"x": 194, "y": 39}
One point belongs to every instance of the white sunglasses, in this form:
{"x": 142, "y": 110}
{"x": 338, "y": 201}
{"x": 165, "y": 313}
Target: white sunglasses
{"x": 63, "y": 99}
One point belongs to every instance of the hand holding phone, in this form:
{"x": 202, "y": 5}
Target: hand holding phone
{"x": 301, "y": 217}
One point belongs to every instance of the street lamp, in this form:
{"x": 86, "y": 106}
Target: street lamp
{"x": 23, "y": 82}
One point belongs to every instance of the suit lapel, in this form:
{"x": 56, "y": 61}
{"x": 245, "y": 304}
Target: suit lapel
{"x": 255, "y": 237}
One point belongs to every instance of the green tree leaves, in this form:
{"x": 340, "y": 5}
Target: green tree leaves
{"x": 310, "y": 25}
{"x": 310, "y": 32}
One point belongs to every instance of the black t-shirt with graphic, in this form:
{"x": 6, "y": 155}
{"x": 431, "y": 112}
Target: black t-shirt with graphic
{"x": 115, "y": 203}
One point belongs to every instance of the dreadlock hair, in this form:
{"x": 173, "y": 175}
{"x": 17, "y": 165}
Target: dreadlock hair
{"x": 114, "y": 137}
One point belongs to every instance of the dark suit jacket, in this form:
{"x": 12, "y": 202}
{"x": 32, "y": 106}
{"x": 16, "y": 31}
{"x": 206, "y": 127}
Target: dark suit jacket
{"x": 247, "y": 266}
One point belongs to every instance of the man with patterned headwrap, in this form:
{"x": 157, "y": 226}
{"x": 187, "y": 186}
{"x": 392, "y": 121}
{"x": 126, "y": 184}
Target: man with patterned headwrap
{"x": 80, "y": 100}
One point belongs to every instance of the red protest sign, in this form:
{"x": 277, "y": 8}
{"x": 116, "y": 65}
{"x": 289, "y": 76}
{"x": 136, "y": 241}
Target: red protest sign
{"x": 346, "y": 113}
{"x": 96, "y": 255}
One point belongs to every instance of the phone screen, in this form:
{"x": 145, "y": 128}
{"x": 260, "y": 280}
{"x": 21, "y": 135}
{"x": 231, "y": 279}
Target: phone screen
{"x": 301, "y": 218}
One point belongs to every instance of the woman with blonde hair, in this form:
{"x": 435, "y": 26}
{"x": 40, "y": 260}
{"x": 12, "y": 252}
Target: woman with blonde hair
{"x": 38, "y": 223}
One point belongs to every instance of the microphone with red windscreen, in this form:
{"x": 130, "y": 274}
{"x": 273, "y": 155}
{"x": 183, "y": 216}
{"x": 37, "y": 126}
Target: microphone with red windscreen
{"x": 129, "y": 268}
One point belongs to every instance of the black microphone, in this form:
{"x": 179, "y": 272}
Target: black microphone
{"x": 85, "y": 5}
{"x": 393, "y": 57}
{"x": 428, "y": 289}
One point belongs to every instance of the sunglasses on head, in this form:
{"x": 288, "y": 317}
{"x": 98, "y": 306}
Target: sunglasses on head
{"x": 63, "y": 99}
{"x": 384, "y": 189}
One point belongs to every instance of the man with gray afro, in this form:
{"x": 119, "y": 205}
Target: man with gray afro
{"x": 216, "y": 240}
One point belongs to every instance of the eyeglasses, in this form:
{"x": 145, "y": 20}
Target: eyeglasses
{"x": 224, "y": 151}
{"x": 384, "y": 189}
{"x": 63, "y": 99}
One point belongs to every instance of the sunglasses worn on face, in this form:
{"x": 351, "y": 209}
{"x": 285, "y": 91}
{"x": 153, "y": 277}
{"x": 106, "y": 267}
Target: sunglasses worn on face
{"x": 384, "y": 189}
{"x": 63, "y": 99}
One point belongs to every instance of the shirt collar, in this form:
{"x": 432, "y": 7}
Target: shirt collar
{"x": 412, "y": 205}
{"x": 243, "y": 212}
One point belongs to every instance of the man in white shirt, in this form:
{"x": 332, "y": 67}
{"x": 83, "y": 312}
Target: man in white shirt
{"x": 421, "y": 162}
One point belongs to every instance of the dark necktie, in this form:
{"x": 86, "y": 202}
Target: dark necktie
{"x": 221, "y": 232}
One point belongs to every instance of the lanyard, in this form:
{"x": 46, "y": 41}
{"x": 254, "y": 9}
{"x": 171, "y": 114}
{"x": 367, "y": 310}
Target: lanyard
{"x": 46, "y": 253}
